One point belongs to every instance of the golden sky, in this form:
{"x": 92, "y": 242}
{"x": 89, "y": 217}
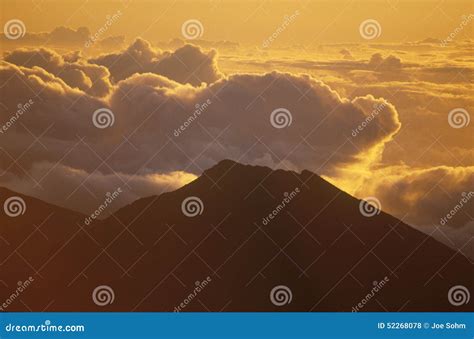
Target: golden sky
{"x": 249, "y": 21}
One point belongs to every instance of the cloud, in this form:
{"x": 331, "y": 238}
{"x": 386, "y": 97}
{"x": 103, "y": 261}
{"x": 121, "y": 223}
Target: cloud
{"x": 219, "y": 45}
{"x": 92, "y": 79}
{"x": 346, "y": 54}
{"x": 54, "y": 103}
{"x": 65, "y": 37}
{"x": 390, "y": 67}
{"x": 438, "y": 201}
{"x": 83, "y": 192}
{"x": 426, "y": 196}
{"x": 60, "y": 36}
{"x": 112, "y": 42}
{"x": 188, "y": 64}
{"x": 241, "y": 107}
{"x": 378, "y": 62}
{"x": 161, "y": 125}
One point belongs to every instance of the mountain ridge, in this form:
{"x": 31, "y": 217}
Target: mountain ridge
{"x": 151, "y": 252}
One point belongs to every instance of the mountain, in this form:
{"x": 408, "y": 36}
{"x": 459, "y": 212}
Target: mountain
{"x": 212, "y": 246}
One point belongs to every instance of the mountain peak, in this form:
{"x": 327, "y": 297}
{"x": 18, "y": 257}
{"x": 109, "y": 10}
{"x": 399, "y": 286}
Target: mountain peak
{"x": 246, "y": 229}
{"x": 225, "y": 166}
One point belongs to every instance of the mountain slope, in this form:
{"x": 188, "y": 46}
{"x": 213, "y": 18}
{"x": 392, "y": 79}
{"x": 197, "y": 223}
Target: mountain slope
{"x": 317, "y": 244}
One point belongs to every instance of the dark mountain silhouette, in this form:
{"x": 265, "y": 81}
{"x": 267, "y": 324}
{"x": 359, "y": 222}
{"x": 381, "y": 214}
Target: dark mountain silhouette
{"x": 151, "y": 254}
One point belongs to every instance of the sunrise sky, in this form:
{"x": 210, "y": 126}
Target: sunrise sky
{"x": 408, "y": 65}
{"x": 249, "y": 21}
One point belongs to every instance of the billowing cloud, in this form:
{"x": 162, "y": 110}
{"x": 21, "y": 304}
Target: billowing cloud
{"x": 426, "y": 196}
{"x": 161, "y": 126}
{"x": 238, "y": 110}
{"x": 438, "y": 200}
{"x": 182, "y": 117}
{"x": 112, "y": 42}
{"x": 82, "y": 191}
{"x": 89, "y": 78}
{"x": 188, "y": 64}
{"x": 54, "y": 102}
